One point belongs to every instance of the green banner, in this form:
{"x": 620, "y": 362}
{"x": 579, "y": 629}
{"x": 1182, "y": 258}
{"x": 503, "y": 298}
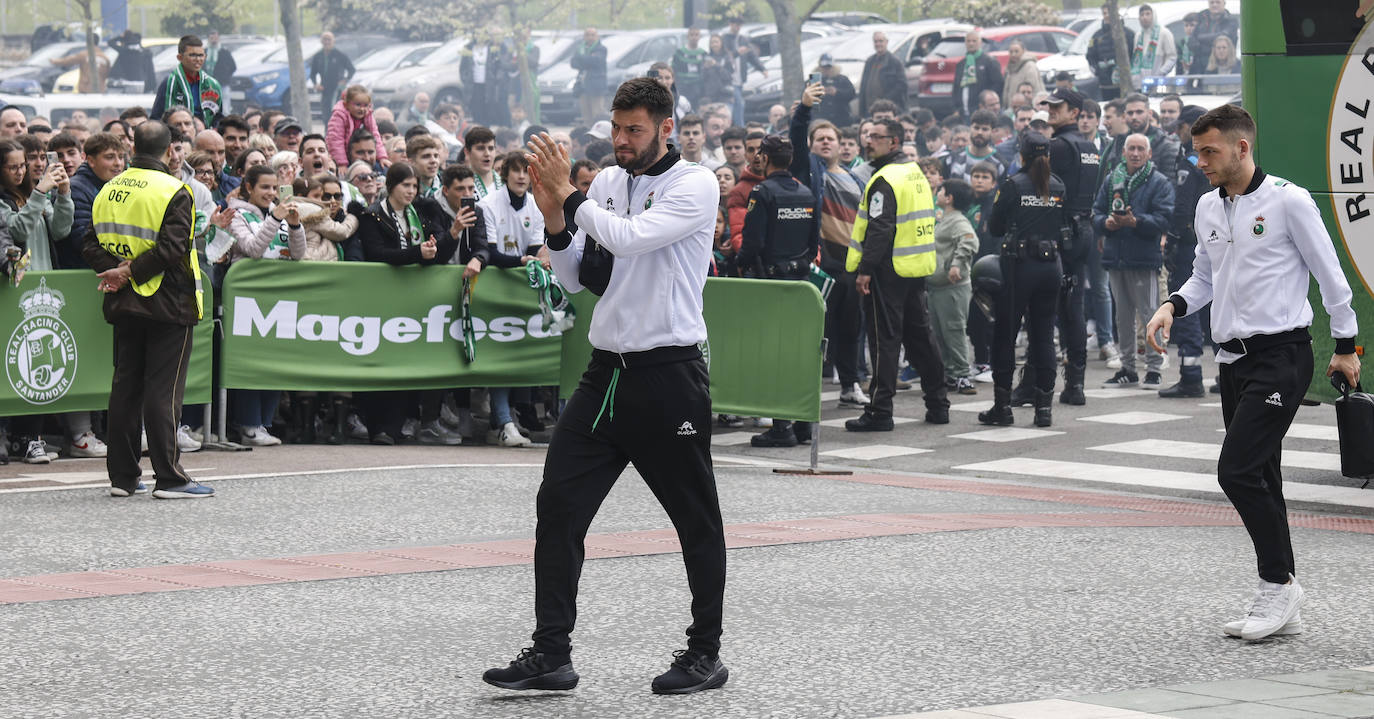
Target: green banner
{"x": 59, "y": 351}
{"x": 763, "y": 347}
{"x": 359, "y": 326}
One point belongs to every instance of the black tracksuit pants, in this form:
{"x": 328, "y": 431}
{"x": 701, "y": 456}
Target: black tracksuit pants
{"x": 895, "y": 310}
{"x": 1030, "y": 292}
{"x": 150, "y": 362}
{"x": 1256, "y": 421}
{"x": 652, "y": 409}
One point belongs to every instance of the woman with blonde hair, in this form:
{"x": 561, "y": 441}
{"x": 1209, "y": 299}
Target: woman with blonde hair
{"x": 1223, "y": 60}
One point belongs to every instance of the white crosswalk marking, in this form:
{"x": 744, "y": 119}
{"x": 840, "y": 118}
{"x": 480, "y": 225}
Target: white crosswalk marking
{"x": 874, "y": 451}
{"x": 830, "y": 396}
{"x": 729, "y": 439}
{"x": 1133, "y": 418}
{"x": 1209, "y": 452}
{"x": 977, "y": 406}
{"x": 1298, "y": 430}
{"x": 1113, "y": 393}
{"x": 1005, "y": 434}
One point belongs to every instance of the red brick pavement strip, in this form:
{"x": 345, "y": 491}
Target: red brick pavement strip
{"x": 1129, "y": 511}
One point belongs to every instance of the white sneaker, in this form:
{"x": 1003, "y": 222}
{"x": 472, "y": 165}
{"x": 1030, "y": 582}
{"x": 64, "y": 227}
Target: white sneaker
{"x": 1113, "y": 356}
{"x": 356, "y": 428}
{"x": 143, "y": 441}
{"x": 258, "y": 437}
{"x": 410, "y": 428}
{"x": 35, "y": 454}
{"x": 187, "y": 442}
{"x": 508, "y": 436}
{"x": 448, "y": 417}
{"x": 87, "y": 445}
{"x": 195, "y": 434}
{"x": 853, "y": 396}
{"x": 1274, "y": 606}
{"x": 436, "y": 433}
{"x": 1294, "y": 626}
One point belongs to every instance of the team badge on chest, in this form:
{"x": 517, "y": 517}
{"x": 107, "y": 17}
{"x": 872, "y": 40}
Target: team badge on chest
{"x": 1257, "y": 229}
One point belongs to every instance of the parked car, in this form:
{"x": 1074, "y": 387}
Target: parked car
{"x": 764, "y": 36}
{"x": 379, "y": 63}
{"x": 937, "y": 82}
{"x": 267, "y": 84}
{"x": 554, "y": 46}
{"x": 1074, "y": 59}
{"x": 37, "y": 73}
{"x": 59, "y": 107}
{"x": 435, "y": 73}
{"x": 852, "y": 18}
{"x": 628, "y": 54}
{"x": 1076, "y": 20}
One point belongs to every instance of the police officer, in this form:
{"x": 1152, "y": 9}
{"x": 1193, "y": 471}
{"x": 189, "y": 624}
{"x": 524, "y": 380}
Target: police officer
{"x": 1260, "y": 240}
{"x": 893, "y": 250}
{"x": 781, "y": 236}
{"x": 140, "y": 244}
{"x": 1189, "y": 332}
{"x": 1074, "y": 160}
{"x": 1030, "y": 213}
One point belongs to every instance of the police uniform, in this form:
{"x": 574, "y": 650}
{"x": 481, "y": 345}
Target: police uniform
{"x": 1190, "y": 332}
{"x": 1034, "y": 227}
{"x": 1255, "y": 253}
{"x": 643, "y": 242}
{"x": 780, "y": 241}
{"x": 1075, "y": 160}
{"x": 893, "y": 243}
{"x": 146, "y": 216}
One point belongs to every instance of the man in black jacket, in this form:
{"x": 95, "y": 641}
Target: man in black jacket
{"x": 589, "y": 60}
{"x": 977, "y": 71}
{"x": 329, "y": 68}
{"x": 219, "y": 62}
{"x": 152, "y": 287}
{"x": 839, "y": 93}
{"x": 884, "y": 77}
{"x": 1101, "y": 55}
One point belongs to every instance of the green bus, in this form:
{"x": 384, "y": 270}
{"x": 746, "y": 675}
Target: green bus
{"x": 1308, "y": 78}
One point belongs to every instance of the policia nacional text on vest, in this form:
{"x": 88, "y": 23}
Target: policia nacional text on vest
{"x": 897, "y": 207}
{"x": 146, "y": 217}
{"x": 780, "y": 235}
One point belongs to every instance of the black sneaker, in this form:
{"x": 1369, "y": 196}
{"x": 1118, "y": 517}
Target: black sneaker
{"x": 775, "y": 437}
{"x": 691, "y": 671}
{"x": 533, "y": 670}
{"x": 1152, "y": 381}
{"x": 869, "y": 423}
{"x": 1184, "y": 390}
{"x": 802, "y": 431}
{"x": 1121, "y": 380}
{"x": 937, "y": 415}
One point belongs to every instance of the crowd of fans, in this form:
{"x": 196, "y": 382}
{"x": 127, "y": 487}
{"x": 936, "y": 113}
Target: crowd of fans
{"x": 375, "y": 187}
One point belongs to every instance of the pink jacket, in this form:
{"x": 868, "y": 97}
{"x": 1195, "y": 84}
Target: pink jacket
{"x": 341, "y": 127}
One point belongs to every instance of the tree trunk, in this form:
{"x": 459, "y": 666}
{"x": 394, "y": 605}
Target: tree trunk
{"x": 91, "y": 66}
{"x": 814, "y": 7}
{"x": 300, "y": 98}
{"x": 789, "y": 47}
{"x": 1124, "y": 81}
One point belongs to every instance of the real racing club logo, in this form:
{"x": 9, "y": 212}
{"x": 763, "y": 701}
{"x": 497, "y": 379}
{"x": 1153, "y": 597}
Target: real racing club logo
{"x": 1257, "y": 229}
{"x": 40, "y": 357}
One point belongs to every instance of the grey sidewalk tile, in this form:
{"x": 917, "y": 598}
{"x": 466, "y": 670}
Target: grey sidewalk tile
{"x": 1154, "y": 700}
{"x": 1246, "y": 711}
{"x": 1252, "y": 690}
{"x": 1343, "y": 704}
{"x": 1339, "y": 679}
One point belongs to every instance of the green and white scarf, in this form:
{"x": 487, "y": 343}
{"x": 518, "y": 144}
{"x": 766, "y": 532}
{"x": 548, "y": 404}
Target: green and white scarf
{"x": 465, "y": 314}
{"x": 970, "y": 69}
{"x": 280, "y": 246}
{"x": 1185, "y": 56}
{"x": 553, "y": 299}
{"x": 1143, "y": 58}
{"x": 1124, "y": 184}
{"x": 413, "y": 233}
{"x": 179, "y": 93}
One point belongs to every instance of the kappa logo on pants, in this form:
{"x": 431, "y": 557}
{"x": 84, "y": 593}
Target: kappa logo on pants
{"x": 1275, "y": 400}
{"x": 686, "y": 430}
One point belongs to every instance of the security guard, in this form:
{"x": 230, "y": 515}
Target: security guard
{"x": 1260, "y": 240}
{"x": 141, "y": 245}
{"x": 1030, "y": 213}
{"x": 781, "y": 237}
{"x": 1074, "y": 159}
{"x": 893, "y": 250}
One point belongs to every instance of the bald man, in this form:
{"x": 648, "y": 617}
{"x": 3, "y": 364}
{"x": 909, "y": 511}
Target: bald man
{"x": 212, "y": 143}
{"x": 976, "y": 72}
{"x": 883, "y": 76}
{"x": 12, "y": 123}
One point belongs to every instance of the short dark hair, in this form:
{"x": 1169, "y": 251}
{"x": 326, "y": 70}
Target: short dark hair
{"x": 233, "y": 121}
{"x": 755, "y": 133}
{"x": 454, "y": 173}
{"x": 178, "y": 136}
{"x": 1228, "y": 119}
{"x": 777, "y": 150}
{"x": 598, "y": 148}
{"x": 581, "y": 165}
{"x": 692, "y": 119}
{"x": 1118, "y": 104}
{"x": 532, "y": 131}
{"x": 984, "y": 167}
{"x": 1190, "y": 17}
{"x": 1005, "y": 122}
{"x": 478, "y": 135}
{"x": 1090, "y": 107}
{"x": 882, "y": 106}
{"x": 130, "y": 113}
{"x": 1135, "y": 97}
{"x": 849, "y": 133}
{"x": 960, "y": 193}
{"x": 188, "y": 41}
{"x": 112, "y": 123}
{"x": 733, "y": 132}
{"x": 514, "y": 160}
{"x": 644, "y": 92}
{"x": 986, "y": 118}
{"x": 152, "y": 139}
{"x": 396, "y": 174}
{"x": 102, "y": 141}
{"x": 360, "y": 135}
{"x": 923, "y": 116}
{"x": 387, "y": 127}
{"x": 413, "y": 131}
{"x": 313, "y": 136}
{"x": 255, "y": 174}
{"x": 174, "y": 109}
{"x": 505, "y": 136}
{"x": 62, "y": 141}
{"x": 445, "y": 108}
{"x": 894, "y": 129}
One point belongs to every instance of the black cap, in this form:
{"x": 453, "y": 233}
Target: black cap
{"x": 1034, "y": 145}
{"x": 1189, "y": 115}
{"x": 286, "y": 123}
{"x": 1072, "y": 97}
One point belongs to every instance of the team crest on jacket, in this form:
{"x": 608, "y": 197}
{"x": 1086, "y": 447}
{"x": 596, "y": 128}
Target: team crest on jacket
{"x": 40, "y": 358}
{"x": 527, "y": 223}
{"x": 610, "y": 204}
{"x": 1258, "y": 228}
{"x": 649, "y": 201}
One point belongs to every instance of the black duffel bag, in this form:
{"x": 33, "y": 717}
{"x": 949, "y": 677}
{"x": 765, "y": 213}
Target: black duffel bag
{"x": 1355, "y": 424}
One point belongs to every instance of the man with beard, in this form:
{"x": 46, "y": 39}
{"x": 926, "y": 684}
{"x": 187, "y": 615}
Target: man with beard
{"x": 652, "y": 218}
{"x": 979, "y": 148}
{"x": 1163, "y": 145}
{"x": 1192, "y": 331}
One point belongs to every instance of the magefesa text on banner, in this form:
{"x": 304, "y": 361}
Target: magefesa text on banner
{"x": 362, "y": 335}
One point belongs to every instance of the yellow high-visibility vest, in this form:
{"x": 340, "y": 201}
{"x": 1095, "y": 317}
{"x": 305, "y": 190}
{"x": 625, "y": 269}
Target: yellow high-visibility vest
{"x": 913, "y": 248}
{"x": 127, "y": 215}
